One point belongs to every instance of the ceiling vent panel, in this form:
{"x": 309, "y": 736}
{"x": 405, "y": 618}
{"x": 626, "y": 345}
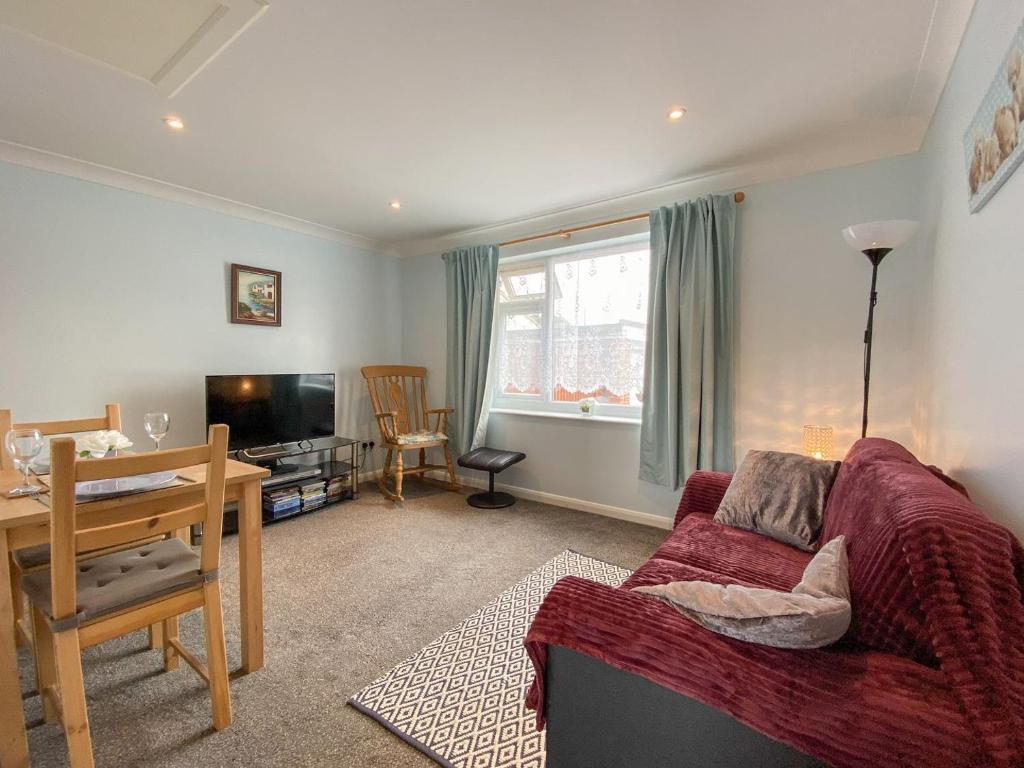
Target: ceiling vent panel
{"x": 166, "y": 42}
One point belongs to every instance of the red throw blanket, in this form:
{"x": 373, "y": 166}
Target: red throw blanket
{"x": 931, "y": 673}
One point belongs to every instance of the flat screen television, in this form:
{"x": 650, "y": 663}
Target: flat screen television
{"x": 271, "y": 409}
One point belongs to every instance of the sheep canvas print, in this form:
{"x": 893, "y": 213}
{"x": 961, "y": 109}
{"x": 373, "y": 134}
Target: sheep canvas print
{"x": 992, "y": 143}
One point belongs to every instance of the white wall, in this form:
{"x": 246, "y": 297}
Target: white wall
{"x": 802, "y": 304}
{"x": 970, "y": 397}
{"x": 421, "y": 283}
{"x": 110, "y": 295}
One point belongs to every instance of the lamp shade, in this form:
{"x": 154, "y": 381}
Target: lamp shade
{"x": 818, "y": 441}
{"x": 879, "y": 234}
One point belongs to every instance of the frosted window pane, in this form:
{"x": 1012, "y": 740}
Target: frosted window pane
{"x": 520, "y": 362}
{"x": 599, "y": 327}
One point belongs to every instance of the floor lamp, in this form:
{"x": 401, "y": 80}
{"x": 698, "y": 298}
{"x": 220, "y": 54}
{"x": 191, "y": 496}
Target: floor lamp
{"x": 875, "y": 239}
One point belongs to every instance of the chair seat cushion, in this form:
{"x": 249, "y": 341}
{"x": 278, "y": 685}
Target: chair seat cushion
{"x": 120, "y": 580}
{"x": 490, "y": 459}
{"x": 414, "y": 438}
{"x": 30, "y": 558}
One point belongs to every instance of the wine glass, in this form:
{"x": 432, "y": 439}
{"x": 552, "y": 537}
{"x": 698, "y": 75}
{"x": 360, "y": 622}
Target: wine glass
{"x": 24, "y": 445}
{"x": 156, "y": 424}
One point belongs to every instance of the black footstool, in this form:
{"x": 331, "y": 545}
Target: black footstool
{"x": 491, "y": 460}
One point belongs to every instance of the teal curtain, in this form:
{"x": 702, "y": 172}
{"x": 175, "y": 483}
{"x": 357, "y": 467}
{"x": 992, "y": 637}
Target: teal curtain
{"x": 471, "y": 276}
{"x": 687, "y": 420}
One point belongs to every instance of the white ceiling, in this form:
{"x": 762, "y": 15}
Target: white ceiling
{"x": 164, "y": 42}
{"x": 474, "y": 112}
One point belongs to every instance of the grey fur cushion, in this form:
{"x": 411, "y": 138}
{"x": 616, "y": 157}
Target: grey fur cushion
{"x": 779, "y": 495}
{"x": 815, "y": 614}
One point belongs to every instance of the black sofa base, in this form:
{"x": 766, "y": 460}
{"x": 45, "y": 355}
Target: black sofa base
{"x": 602, "y": 717}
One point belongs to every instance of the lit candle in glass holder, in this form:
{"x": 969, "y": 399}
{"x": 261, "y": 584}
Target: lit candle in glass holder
{"x": 818, "y": 441}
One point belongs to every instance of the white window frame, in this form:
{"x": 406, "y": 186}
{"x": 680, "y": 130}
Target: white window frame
{"x": 543, "y": 404}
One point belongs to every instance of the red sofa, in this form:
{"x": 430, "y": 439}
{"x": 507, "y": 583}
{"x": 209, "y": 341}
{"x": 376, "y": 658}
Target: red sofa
{"x": 931, "y": 672}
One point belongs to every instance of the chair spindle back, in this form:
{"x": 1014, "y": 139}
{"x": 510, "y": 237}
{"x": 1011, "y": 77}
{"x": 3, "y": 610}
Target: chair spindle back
{"x": 398, "y": 394}
{"x": 110, "y": 420}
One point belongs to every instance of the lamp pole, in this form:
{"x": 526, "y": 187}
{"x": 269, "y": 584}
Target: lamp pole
{"x": 875, "y": 239}
{"x": 875, "y": 255}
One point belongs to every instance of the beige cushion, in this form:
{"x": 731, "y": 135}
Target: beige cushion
{"x": 779, "y": 495}
{"x": 120, "y": 580}
{"x": 815, "y": 614}
{"x": 413, "y": 438}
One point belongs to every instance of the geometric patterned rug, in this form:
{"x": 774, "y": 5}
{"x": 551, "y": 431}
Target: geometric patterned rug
{"x": 460, "y": 699}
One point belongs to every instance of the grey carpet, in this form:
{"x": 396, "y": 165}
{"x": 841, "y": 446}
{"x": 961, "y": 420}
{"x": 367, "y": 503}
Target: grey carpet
{"x": 350, "y": 591}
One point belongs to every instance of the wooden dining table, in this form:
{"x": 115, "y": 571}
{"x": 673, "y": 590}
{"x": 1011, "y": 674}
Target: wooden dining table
{"x": 24, "y": 522}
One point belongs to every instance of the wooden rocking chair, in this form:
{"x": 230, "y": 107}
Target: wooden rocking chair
{"x": 399, "y": 397}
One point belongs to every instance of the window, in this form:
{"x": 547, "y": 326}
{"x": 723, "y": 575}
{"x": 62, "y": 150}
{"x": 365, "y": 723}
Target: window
{"x": 571, "y": 324}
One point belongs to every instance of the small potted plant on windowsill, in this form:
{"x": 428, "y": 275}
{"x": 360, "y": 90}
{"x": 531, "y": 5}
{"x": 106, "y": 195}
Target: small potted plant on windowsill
{"x": 587, "y": 406}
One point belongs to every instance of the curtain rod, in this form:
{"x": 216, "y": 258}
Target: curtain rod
{"x": 739, "y": 197}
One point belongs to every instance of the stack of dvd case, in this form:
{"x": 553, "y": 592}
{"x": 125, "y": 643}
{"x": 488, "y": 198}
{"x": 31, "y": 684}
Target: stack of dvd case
{"x": 281, "y": 502}
{"x": 313, "y": 495}
{"x": 337, "y": 487}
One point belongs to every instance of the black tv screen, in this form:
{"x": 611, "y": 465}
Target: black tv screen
{"x": 267, "y": 409}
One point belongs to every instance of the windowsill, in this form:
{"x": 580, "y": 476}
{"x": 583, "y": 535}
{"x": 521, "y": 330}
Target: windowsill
{"x": 572, "y": 416}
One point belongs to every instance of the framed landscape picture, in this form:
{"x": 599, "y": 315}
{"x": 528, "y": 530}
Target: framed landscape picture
{"x": 992, "y": 144}
{"x": 255, "y": 295}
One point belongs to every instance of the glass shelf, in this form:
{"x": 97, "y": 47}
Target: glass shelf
{"x": 283, "y": 450}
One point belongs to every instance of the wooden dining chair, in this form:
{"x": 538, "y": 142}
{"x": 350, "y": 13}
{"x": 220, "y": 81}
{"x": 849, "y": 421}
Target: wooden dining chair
{"x": 34, "y": 558}
{"x": 79, "y": 604}
{"x": 110, "y": 420}
{"x": 398, "y": 394}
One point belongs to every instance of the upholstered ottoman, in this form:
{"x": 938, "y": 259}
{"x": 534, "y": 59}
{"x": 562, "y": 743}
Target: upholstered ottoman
{"x": 492, "y": 461}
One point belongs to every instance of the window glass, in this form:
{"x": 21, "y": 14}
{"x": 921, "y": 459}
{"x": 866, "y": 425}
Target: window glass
{"x": 522, "y": 338}
{"x": 599, "y": 328}
{"x": 572, "y": 325}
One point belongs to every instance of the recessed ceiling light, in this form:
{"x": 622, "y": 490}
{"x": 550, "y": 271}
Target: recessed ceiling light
{"x": 675, "y": 114}
{"x": 395, "y": 204}
{"x": 174, "y": 122}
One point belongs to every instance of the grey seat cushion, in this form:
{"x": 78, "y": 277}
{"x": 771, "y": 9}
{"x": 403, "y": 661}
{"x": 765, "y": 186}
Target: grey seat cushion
{"x": 120, "y": 580}
{"x": 30, "y": 558}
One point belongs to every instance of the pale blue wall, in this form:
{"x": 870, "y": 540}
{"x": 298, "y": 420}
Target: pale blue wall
{"x": 970, "y": 400}
{"x": 113, "y": 295}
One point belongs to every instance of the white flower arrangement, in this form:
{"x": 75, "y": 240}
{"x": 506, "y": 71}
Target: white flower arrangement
{"x": 587, "y": 405}
{"x": 100, "y": 443}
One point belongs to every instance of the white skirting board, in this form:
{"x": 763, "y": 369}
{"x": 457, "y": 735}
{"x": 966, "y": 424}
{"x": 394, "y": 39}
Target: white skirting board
{"x": 582, "y": 505}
